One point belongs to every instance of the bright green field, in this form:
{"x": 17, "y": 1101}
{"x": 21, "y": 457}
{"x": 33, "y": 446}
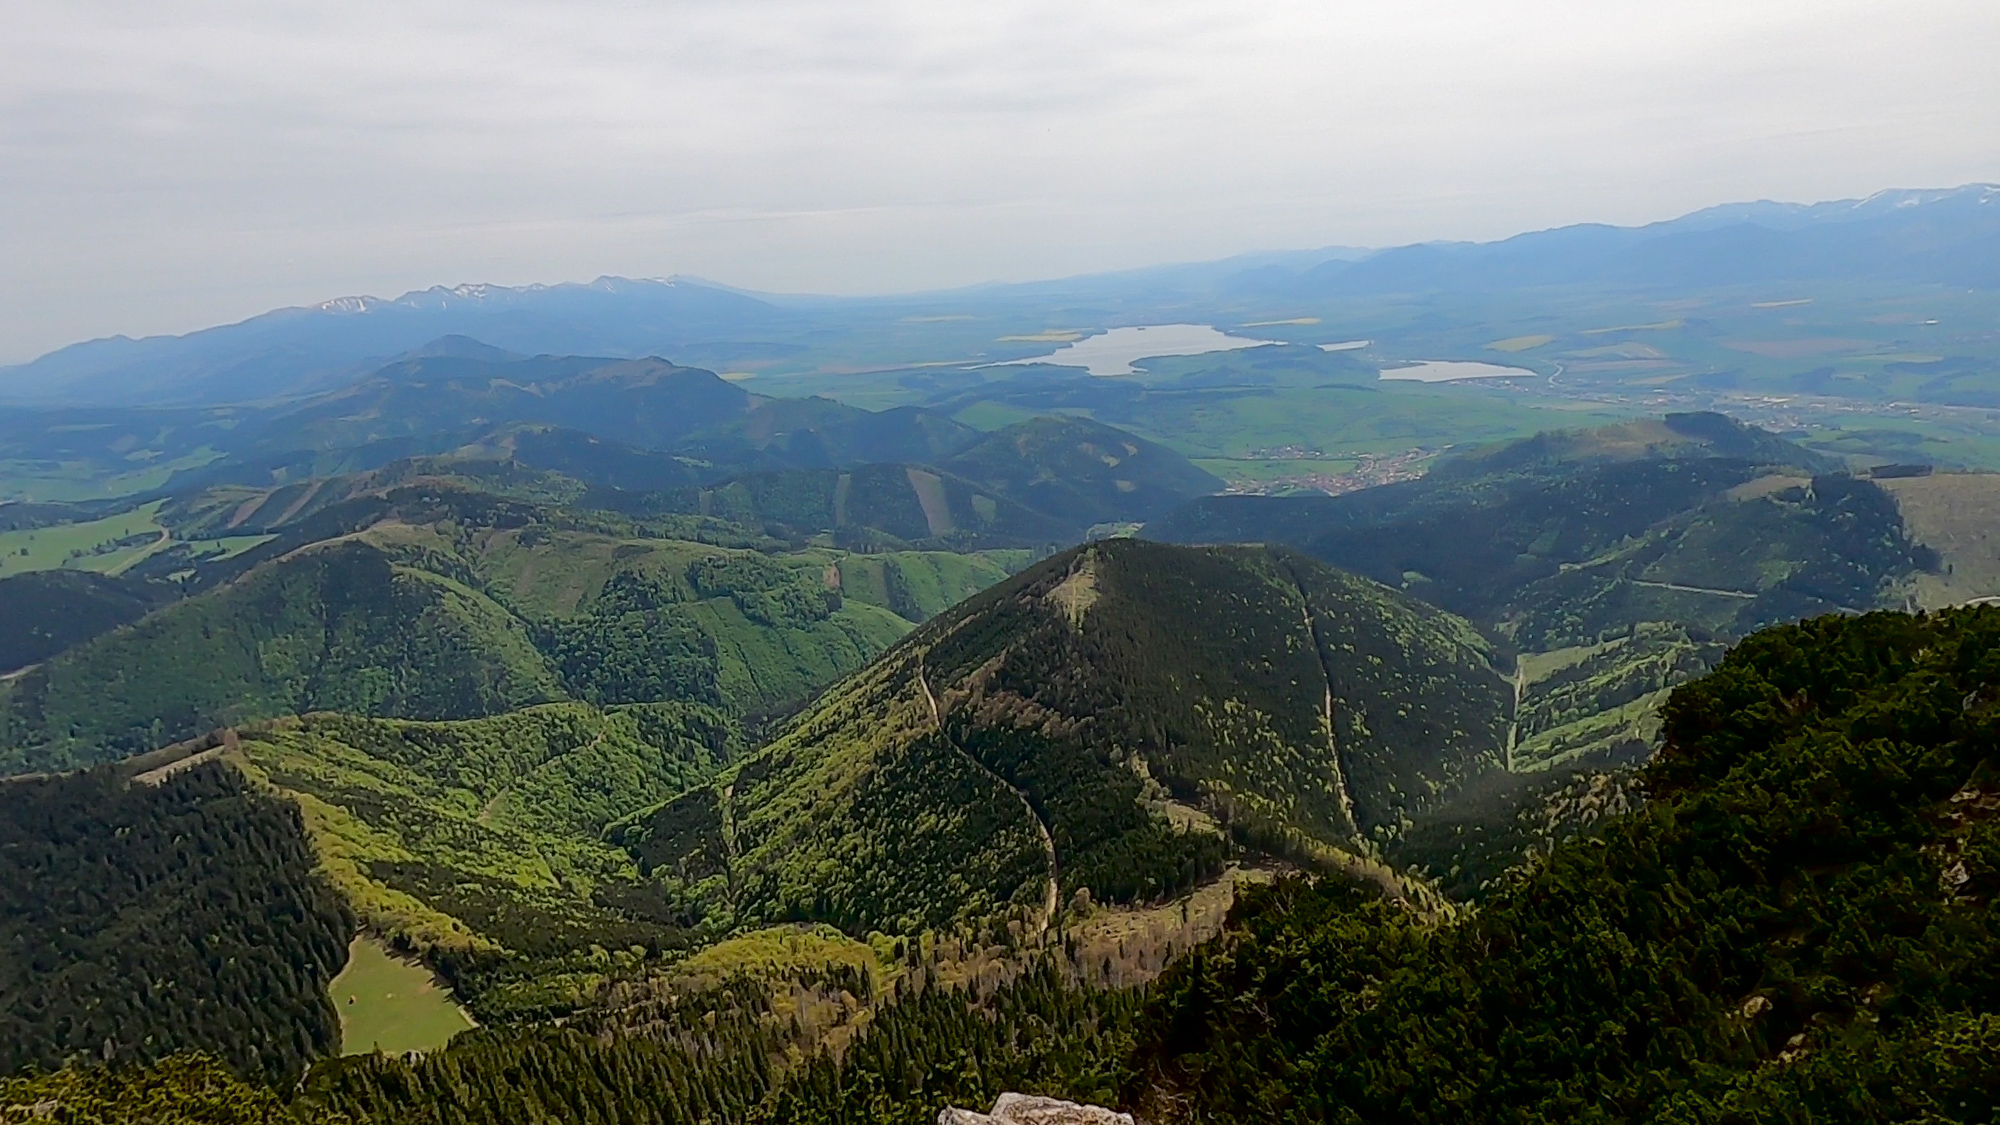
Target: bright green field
{"x": 1347, "y": 419}
{"x": 994, "y": 415}
{"x": 71, "y": 545}
{"x": 391, "y": 1005}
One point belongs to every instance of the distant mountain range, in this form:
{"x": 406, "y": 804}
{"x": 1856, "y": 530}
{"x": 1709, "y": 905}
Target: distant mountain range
{"x": 299, "y": 350}
{"x": 1936, "y": 237}
{"x": 1948, "y": 237}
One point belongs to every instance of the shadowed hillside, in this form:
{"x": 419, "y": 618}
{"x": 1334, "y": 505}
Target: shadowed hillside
{"x": 44, "y": 612}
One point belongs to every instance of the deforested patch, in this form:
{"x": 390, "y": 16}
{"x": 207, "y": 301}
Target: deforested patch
{"x": 1077, "y": 593}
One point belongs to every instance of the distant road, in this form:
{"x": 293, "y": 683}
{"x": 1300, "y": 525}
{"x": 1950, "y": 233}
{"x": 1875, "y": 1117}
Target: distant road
{"x": 1693, "y": 589}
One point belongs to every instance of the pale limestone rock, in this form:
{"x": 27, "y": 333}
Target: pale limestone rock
{"x": 1022, "y": 1109}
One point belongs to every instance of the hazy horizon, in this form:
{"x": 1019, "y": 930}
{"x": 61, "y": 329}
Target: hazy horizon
{"x": 172, "y": 170}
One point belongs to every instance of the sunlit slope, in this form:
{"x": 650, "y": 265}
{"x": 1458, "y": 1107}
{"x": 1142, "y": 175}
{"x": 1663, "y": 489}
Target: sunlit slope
{"x": 339, "y": 628}
{"x": 479, "y": 841}
{"x": 1957, "y": 515}
{"x": 1114, "y": 720}
{"x": 455, "y": 619}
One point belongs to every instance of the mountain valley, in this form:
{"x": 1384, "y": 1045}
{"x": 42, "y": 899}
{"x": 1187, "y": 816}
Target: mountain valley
{"x": 892, "y": 716}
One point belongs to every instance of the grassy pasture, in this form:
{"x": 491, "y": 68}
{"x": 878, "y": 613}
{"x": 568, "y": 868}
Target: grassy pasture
{"x": 1957, "y": 515}
{"x": 391, "y": 1005}
{"x": 83, "y": 546}
{"x": 1347, "y": 419}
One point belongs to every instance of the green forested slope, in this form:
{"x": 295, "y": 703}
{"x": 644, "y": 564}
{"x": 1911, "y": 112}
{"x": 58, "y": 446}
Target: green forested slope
{"x": 137, "y": 920}
{"x": 1040, "y": 482}
{"x": 869, "y": 506}
{"x": 490, "y": 605}
{"x": 717, "y": 1056}
{"x": 338, "y": 628}
{"x": 477, "y": 842}
{"x": 1534, "y": 536}
{"x": 1798, "y": 926}
{"x": 188, "y": 1089}
{"x": 1103, "y": 721}
{"x": 919, "y": 585}
{"x": 1082, "y": 472}
{"x": 1732, "y": 566}
{"x": 1628, "y": 553}
{"x": 720, "y": 1058}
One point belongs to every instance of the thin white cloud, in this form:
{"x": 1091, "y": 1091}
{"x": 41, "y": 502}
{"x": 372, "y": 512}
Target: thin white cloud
{"x": 167, "y": 165}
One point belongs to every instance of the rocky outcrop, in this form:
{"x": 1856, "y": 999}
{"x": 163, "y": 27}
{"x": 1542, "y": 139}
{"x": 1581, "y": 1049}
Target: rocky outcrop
{"x": 1023, "y": 1109}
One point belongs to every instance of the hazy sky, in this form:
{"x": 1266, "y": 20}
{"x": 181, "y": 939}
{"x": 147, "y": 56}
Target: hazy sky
{"x": 168, "y": 164}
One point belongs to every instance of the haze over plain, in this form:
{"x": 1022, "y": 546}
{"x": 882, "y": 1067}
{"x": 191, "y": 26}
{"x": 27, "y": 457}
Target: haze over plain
{"x": 170, "y": 168}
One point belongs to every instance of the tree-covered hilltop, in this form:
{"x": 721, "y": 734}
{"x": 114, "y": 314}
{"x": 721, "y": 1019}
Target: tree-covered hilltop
{"x": 649, "y": 401}
{"x": 1082, "y": 472}
{"x": 1565, "y": 538}
{"x": 1798, "y": 926}
{"x": 452, "y": 603}
{"x": 1623, "y": 558}
{"x": 871, "y": 507}
{"x": 141, "y": 918}
{"x": 339, "y": 628}
{"x": 1114, "y": 720}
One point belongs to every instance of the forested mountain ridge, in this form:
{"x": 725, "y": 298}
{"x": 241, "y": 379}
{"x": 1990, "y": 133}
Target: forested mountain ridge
{"x": 1615, "y": 561}
{"x": 1082, "y": 471}
{"x": 44, "y": 612}
{"x": 341, "y": 627}
{"x": 1798, "y": 926}
{"x": 459, "y": 585}
{"x": 1042, "y": 482}
{"x": 1482, "y": 525}
{"x": 1106, "y": 721}
{"x": 646, "y": 400}
{"x": 489, "y": 604}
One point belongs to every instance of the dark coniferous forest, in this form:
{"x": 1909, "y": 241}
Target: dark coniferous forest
{"x": 143, "y": 920}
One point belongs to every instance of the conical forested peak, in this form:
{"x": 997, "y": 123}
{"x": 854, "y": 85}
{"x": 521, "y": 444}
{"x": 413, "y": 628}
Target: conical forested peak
{"x": 1118, "y": 719}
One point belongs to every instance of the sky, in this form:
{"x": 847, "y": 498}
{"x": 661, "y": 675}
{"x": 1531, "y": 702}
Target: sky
{"x": 171, "y": 164}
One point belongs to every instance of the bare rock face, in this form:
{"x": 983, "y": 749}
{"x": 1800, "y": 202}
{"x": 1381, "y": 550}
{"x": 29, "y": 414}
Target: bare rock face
{"x": 1021, "y": 1109}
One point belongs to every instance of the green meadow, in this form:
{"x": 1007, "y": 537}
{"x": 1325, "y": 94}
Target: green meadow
{"x": 391, "y": 1005}
{"x": 107, "y": 545}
